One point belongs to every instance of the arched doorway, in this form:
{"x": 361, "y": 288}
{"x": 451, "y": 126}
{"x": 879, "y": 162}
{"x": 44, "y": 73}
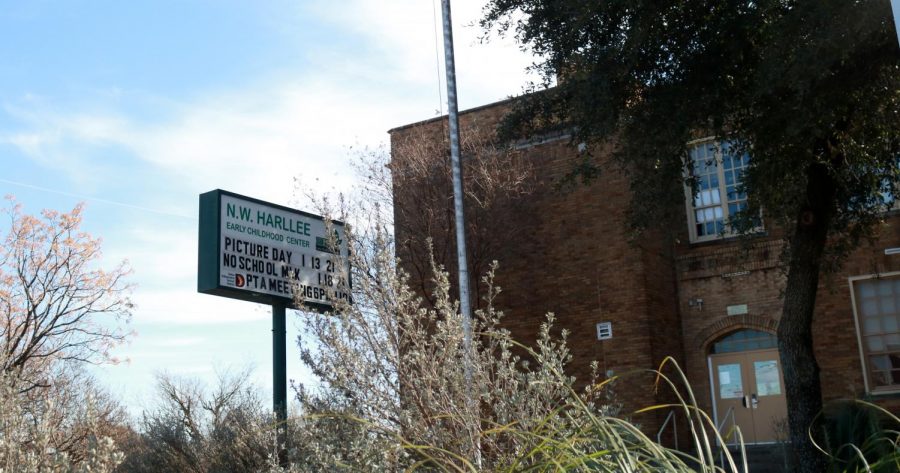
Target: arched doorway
{"x": 747, "y": 383}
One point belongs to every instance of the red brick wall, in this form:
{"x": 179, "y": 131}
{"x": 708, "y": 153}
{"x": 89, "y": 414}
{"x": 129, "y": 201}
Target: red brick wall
{"x": 834, "y": 332}
{"x": 573, "y": 259}
{"x": 724, "y": 273}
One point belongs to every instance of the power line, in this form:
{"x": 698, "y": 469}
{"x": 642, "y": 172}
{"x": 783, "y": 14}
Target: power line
{"x": 437, "y": 59}
{"x": 96, "y": 199}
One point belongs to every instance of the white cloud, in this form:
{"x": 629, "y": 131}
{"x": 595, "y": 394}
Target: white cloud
{"x": 179, "y": 342}
{"x": 185, "y": 306}
{"x": 254, "y": 139}
{"x": 408, "y": 36}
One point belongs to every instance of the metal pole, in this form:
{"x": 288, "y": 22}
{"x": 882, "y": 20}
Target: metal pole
{"x": 279, "y": 378}
{"x": 464, "y": 305}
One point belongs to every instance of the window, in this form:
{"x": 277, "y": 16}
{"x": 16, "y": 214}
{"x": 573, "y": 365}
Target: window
{"x": 719, "y": 174}
{"x": 876, "y": 304}
{"x": 745, "y": 340}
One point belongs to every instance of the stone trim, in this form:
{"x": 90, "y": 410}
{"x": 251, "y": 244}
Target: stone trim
{"x": 726, "y": 261}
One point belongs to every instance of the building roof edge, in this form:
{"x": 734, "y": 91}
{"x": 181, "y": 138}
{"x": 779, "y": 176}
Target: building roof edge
{"x": 442, "y": 117}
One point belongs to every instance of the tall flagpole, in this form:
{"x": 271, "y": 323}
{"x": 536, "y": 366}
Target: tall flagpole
{"x": 464, "y": 305}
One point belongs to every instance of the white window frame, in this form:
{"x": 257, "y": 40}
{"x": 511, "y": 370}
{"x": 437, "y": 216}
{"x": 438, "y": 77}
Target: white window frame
{"x": 723, "y": 196}
{"x": 859, "y": 340}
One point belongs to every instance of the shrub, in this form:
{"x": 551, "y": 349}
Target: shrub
{"x": 31, "y": 432}
{"x": 860, "y": 436}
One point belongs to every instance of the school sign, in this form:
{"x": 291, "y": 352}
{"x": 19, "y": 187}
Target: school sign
{"x": 262, "y": 252}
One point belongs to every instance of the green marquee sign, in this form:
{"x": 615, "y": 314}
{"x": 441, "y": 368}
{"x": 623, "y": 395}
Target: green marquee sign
{"x": 262, "y": 252}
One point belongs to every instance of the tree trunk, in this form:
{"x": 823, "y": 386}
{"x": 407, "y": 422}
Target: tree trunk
{"x": 795, "y": 344}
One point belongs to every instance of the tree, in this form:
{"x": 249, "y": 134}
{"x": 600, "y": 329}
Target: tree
{"x": 194, "y": 429}
{"x": 392, "y": 388}
{"x": 499, "y": 181}
{"x": 810, "y": 88}
{"x": 52, "y": 298}
{"x": 54, "y": 295}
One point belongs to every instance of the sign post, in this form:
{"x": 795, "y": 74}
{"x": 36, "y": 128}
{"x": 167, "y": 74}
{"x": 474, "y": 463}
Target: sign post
{"x": 270, "y": 254}
{"x": 279, "y": 377}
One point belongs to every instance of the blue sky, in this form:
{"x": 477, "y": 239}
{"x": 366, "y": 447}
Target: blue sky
{"x": 138, "y": 107}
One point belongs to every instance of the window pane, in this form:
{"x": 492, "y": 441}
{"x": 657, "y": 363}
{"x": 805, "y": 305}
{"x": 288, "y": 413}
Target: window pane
{"x": 880, "y": 362}
{"x": 870, "y": 307}
{"x": 874, "y": 343}
{"x": 882, "y": 378}
{"x": 871, "y": 325}
{"x": 866, "y": 289}
{"x": 892, "y": 343}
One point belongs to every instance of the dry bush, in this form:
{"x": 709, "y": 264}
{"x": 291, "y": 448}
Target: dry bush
{"x": 195, "y": 429}
{"x": 56, "y": 433}
{"x": 393, "y": 389}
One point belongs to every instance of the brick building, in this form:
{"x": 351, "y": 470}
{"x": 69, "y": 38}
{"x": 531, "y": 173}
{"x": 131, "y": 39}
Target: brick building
{"x": 708, "y": 300}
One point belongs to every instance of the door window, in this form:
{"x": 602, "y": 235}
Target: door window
{"x": 745, "y": 340}
{"x": 731, "y": 386}
{"x": 767, "y": 379}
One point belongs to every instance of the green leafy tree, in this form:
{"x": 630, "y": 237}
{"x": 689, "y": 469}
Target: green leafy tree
{"x": 810, "y": 88}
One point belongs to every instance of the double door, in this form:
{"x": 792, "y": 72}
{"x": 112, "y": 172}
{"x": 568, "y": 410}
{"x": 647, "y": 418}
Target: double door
{"x": 749, "y": 385}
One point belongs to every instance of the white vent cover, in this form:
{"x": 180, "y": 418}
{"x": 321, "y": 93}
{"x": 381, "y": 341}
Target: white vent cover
{"x": 604, "y": 330}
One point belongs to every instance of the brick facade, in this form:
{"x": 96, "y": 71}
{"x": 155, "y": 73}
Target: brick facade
{"x": 573, "y": 258}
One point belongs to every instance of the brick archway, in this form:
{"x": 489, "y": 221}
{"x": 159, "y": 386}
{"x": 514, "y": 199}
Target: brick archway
{"x": 716, "y": 329}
